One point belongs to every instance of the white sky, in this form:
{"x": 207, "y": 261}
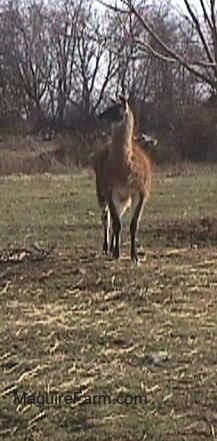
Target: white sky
{"x": 181, "y": 4}
{"x": 177, "y": 3}
{"x": 196, "y": 3}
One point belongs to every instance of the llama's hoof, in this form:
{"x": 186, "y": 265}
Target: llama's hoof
{"x": 105, "y": 249}
{"x": 111, "y": 250}
{"x": 115, "y": 253}
{"x": 134, "y": 258}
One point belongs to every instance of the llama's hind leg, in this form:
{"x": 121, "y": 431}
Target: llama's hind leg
{"x": 106, "y": 221}
{"x": 116, "y": 227}
{"x": 120, "y": 209}
{"x": 111, "y": 245}
{"x": 137, "y": 213}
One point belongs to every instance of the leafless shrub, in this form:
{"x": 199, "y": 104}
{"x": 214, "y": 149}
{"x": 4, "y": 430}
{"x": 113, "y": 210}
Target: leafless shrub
{"x": 195, "y": 134}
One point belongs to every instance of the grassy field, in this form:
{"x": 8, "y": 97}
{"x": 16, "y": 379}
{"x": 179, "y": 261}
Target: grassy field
{"x": 72, "y": 319}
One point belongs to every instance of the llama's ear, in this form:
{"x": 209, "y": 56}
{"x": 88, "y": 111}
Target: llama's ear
{"x": 123, "y": 100}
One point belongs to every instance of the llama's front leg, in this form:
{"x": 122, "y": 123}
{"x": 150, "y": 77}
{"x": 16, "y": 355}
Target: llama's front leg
{"x": 116, "y": 226}
{"x": 134, "y": 226}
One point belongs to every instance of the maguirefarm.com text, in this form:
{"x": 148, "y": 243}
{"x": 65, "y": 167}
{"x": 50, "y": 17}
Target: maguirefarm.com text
{"x": 78, "y": 397}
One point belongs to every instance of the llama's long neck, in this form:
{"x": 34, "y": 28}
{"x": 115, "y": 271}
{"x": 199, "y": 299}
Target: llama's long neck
{"x": 122, "y": 135}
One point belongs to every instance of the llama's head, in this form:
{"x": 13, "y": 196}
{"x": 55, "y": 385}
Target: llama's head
{"x": 117, "y": 113}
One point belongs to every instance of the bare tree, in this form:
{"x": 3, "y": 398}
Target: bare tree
{"x": 204, "y": 33}
{"x": 63, "y": 19}
{"x": 97, "y": 61}
{"x": 26, "y": 54}
{"x": 67, "y": 53}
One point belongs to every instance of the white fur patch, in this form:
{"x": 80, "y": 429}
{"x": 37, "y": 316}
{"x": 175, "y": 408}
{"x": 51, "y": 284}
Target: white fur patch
{"x": 106, "y": 221}
{"x": 122, "y": 200}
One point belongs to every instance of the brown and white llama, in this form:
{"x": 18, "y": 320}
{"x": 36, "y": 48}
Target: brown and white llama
{"x": 123, "y": 177}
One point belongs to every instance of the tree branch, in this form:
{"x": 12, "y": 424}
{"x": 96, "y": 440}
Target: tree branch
{"x": 200, "y": 33}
